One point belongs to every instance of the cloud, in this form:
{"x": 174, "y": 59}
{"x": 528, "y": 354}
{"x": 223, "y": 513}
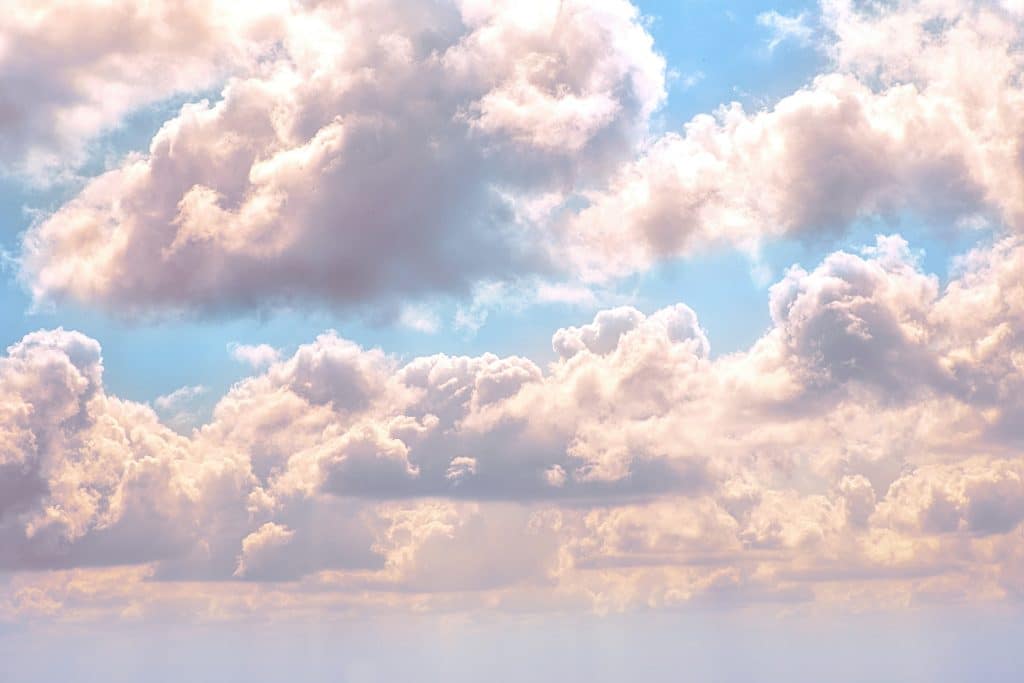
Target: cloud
{"x": 912, "y": 116}
{"x": 785, "y": 28}
{"x": 178, "y": 396}
{"x": 258, "y": 356}
{"x": 871, "y": 433}
{"x": 375, "y": 155}
{"x": 179, "y": 408}
{"x": 420, "y": 319}
{"x": 60, "y": 89}
{"x": 455, "y": 148}
{"x": 866, "y": 447}
{"x": 261, "y": 548}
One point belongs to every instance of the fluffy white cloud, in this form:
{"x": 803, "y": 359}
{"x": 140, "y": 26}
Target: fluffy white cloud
{"x": 60, "y": 87}
{"x": 381, "y": 153}
{"x": 917, "y": 114}
{"x": 378, "y": 151}
{"x": 868, "y": 444}
{"x": 84, "y": 462}
{"x": 872, "y": 433}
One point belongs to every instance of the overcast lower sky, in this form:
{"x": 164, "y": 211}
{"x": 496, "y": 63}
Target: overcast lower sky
{"x": 473, "y": 340}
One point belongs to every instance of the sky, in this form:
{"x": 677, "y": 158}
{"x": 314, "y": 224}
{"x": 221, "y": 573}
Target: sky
{"x": 408, "y": 333}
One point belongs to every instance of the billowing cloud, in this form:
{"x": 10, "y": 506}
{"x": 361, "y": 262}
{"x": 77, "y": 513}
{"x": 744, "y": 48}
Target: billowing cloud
{"x": 60, "y": 87}
{"x": 917, "y": 114}
{"x": 382, "y": 153}
{"x": 867, "y": 444}
{"x": 785, "y": 28}
{"x": 258, "y": 355}
{"x": 379, "y": 151}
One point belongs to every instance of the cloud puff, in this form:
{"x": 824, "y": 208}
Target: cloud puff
{"x": 258, "y": 356}
{"x": 915, "y": 115}
{"x": 871, "y": 433}
{"x": 260, "y": 547}
{"x": 84, "y": 461}
{"x": 383, "y": 153}
{"x": 60, "y": 88}
{"x": 378, "y": 151}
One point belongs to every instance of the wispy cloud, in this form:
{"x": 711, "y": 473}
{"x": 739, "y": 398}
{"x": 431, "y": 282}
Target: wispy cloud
{"x": 257, "y": 356}
{"x": 786, "y": 28}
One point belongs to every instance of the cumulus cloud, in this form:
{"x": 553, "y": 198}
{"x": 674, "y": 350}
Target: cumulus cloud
{"x": 84, "y": 463}
{"x": 914, "y": 115}
{"x": 60, "y": 88}
{"x": 866, "y": 445}
{"x": 785, "y": 28}
{"x": 380, "y": 154}
{"x": 872, "y": 433}
{"x": 260, "y": 548}
{"x": 379, "y": 151}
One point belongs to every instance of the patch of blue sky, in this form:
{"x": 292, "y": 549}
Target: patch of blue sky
{"x": 718, "y": 52}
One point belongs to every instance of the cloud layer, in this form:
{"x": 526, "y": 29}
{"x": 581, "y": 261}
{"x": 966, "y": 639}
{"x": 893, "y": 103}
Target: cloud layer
{"x": 918, "y": 115}
{"x": 867, "y": 446}
{"x": 372, "y": 154}
{"x": 378, "y": 151}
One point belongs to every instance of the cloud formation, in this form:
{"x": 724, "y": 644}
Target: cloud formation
{"x": 916, "y": 115}
{"x": 865, "y": 447}
{"x": 867, "y": 444}
{"x": 60, "y": 88}
{"x": 379, "y": 151}
{"x": 373, "y": 154}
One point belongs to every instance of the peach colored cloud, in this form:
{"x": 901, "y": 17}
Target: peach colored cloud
{"x": 866, "y": 444}
{"x": 382, "y": 153}
{"x": 375, "y": 152}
